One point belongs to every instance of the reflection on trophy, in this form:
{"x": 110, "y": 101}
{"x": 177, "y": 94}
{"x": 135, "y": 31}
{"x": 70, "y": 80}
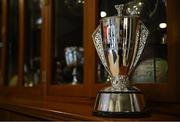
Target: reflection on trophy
{"x": 74, "y": 57}
{"x": 119, "y": 42}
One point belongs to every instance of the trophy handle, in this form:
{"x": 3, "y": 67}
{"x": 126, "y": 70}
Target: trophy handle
{"x": 97, "y": 39}
{"x": 142, "y": 37}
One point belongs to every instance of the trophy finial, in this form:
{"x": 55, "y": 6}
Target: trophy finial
{"x": 119, "y": 9}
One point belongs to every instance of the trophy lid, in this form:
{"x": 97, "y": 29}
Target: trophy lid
{"x": 119, "y": 9}
{"x": 121, "y": 14}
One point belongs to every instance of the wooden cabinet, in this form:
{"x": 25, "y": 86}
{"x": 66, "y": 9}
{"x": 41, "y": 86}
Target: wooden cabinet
{"x": 21, "y": 34}
{"x": 48, "y": 52}
{"x": 89, "y": 86}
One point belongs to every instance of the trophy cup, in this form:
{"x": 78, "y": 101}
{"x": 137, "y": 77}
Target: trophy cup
{"x": 119, "y": 42}
{"x": 73, "y": 57}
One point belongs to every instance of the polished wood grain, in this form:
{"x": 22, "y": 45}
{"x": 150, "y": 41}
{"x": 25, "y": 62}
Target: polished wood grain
{"x": 68, "y": 111}
{"x": 12, "y": 116}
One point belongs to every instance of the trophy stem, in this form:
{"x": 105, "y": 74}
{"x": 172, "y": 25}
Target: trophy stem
{"x": 120, "y": 83}
{"x": 74, "y": 73}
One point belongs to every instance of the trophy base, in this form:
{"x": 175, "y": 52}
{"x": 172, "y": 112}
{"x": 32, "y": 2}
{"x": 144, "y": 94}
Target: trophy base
{"x": 120, "y": 104}
{"x": 121, "y": 114}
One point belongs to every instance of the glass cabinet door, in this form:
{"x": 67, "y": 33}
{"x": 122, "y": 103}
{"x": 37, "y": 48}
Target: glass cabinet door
{"x": 32, "y": 42}
{"x": 12, "y": 42}
{"x": 152, "y": 66}
{"x": 67, "y": 57}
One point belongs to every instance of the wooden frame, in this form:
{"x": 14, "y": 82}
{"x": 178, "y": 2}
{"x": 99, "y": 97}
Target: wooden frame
{"x": 5, "y": 89}
{"x": 81, "y": 90}
{"x": 168, "y": 91}
{"x": 35, "y": 91}
{"x": 3, "y": 38}
{"x": 153, "y": 92}
{"x": 88, "y": 90}
{"x": 68, "y": 102}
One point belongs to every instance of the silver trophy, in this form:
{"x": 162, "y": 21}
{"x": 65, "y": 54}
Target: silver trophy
{"x": 119, "y": 42}
{"x": 74, "y": 57}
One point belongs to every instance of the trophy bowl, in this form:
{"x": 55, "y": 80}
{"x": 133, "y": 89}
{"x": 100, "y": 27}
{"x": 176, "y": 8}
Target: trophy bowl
{"x": 74, "y": 58}
{"x": 119, "y": 42}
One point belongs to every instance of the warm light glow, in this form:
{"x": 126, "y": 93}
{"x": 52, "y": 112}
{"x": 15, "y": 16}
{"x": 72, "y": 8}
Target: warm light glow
{"x": 140, "y": 3}
{"x": 162, "y": 25}
{"x": 39, "y": 21}
{"x": 134, "y": 6}
{"x": 103, "y": 14}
